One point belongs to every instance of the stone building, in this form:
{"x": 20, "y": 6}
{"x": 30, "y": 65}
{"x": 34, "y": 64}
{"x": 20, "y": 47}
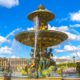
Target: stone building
{"x": 3, "y": 63}
{"x": 14, "y": 63}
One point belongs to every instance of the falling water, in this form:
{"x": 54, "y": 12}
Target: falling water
{"x": 36, "y": 20}
{"x": 16, "y": 46}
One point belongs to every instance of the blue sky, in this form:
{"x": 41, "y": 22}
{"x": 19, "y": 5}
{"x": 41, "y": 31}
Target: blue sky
{"x": 13, "y": 19}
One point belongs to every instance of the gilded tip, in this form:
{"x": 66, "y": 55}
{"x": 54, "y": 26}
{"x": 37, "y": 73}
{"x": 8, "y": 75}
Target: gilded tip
{"x": 41, "y": 7}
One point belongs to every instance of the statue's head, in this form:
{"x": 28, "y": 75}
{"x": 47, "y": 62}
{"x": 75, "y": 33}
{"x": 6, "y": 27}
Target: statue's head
{"x": 50, "y": 49}
{"x": 32, "y": 50}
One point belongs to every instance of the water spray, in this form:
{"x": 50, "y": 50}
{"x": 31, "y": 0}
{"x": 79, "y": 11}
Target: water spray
{"x": 36, "y": 20}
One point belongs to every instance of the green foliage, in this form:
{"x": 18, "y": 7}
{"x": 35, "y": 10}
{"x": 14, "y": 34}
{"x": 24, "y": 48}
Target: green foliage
{"x": 78, "y": 67}
{"x": 67, "y": 64}
{"x": 60, "y": 69}
{"x": 47, "y": 71}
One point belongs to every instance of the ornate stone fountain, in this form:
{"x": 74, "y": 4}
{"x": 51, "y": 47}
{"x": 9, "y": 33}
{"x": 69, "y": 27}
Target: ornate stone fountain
{"x": 45, "y": 39}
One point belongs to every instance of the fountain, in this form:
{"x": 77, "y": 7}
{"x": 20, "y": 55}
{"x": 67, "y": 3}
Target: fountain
{"x": 42, "y": 63}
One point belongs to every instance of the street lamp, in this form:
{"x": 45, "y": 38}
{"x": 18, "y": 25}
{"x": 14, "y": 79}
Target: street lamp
{"x": 74, "y": 59}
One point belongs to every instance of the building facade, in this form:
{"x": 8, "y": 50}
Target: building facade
{"x": 14, "y": 63}
{"x": 3, "y": 63}
{"x": 17, "y": 62}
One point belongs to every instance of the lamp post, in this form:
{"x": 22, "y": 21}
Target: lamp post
{"x": 74, "y": 59}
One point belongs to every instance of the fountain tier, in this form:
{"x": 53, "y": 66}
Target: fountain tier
{"x": 45, "y": 38}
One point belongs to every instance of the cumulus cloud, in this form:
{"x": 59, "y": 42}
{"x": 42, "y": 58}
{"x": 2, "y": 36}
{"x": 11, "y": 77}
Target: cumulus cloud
{"x": 74, "y": 50}
{"x": 5, "y": 50}
{"x": 72, "y": 36}
{"x": 9, "y": 3}
{"x": 51, "y": 27}
{"x": 75, "y": 16}
{"x": 68, "y": 48}
{"x": 63, "y": 28}
{"x": 60, "y": 28}
{"x": 3, "y": 39}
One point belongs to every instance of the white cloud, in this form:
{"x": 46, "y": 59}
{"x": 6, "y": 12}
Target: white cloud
{"x": 75, "y": 25}
{"x": 75, "y": 16}
{"x": 9, "y": 3}
{"x": 68, "y": 48}
{"x": 13, "y": 56}
{"x": 5, "y": 50}
{"x": 66, "y": 29}
{"x": 63, "y": 28}
{"x": 3, "y": 39}
{"x": 31, "y": 28}
{"x": 73, "y": 36}
{"x": 51, "y": 28}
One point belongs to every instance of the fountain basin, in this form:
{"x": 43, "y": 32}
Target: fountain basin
{"x": 45, "y": 38}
